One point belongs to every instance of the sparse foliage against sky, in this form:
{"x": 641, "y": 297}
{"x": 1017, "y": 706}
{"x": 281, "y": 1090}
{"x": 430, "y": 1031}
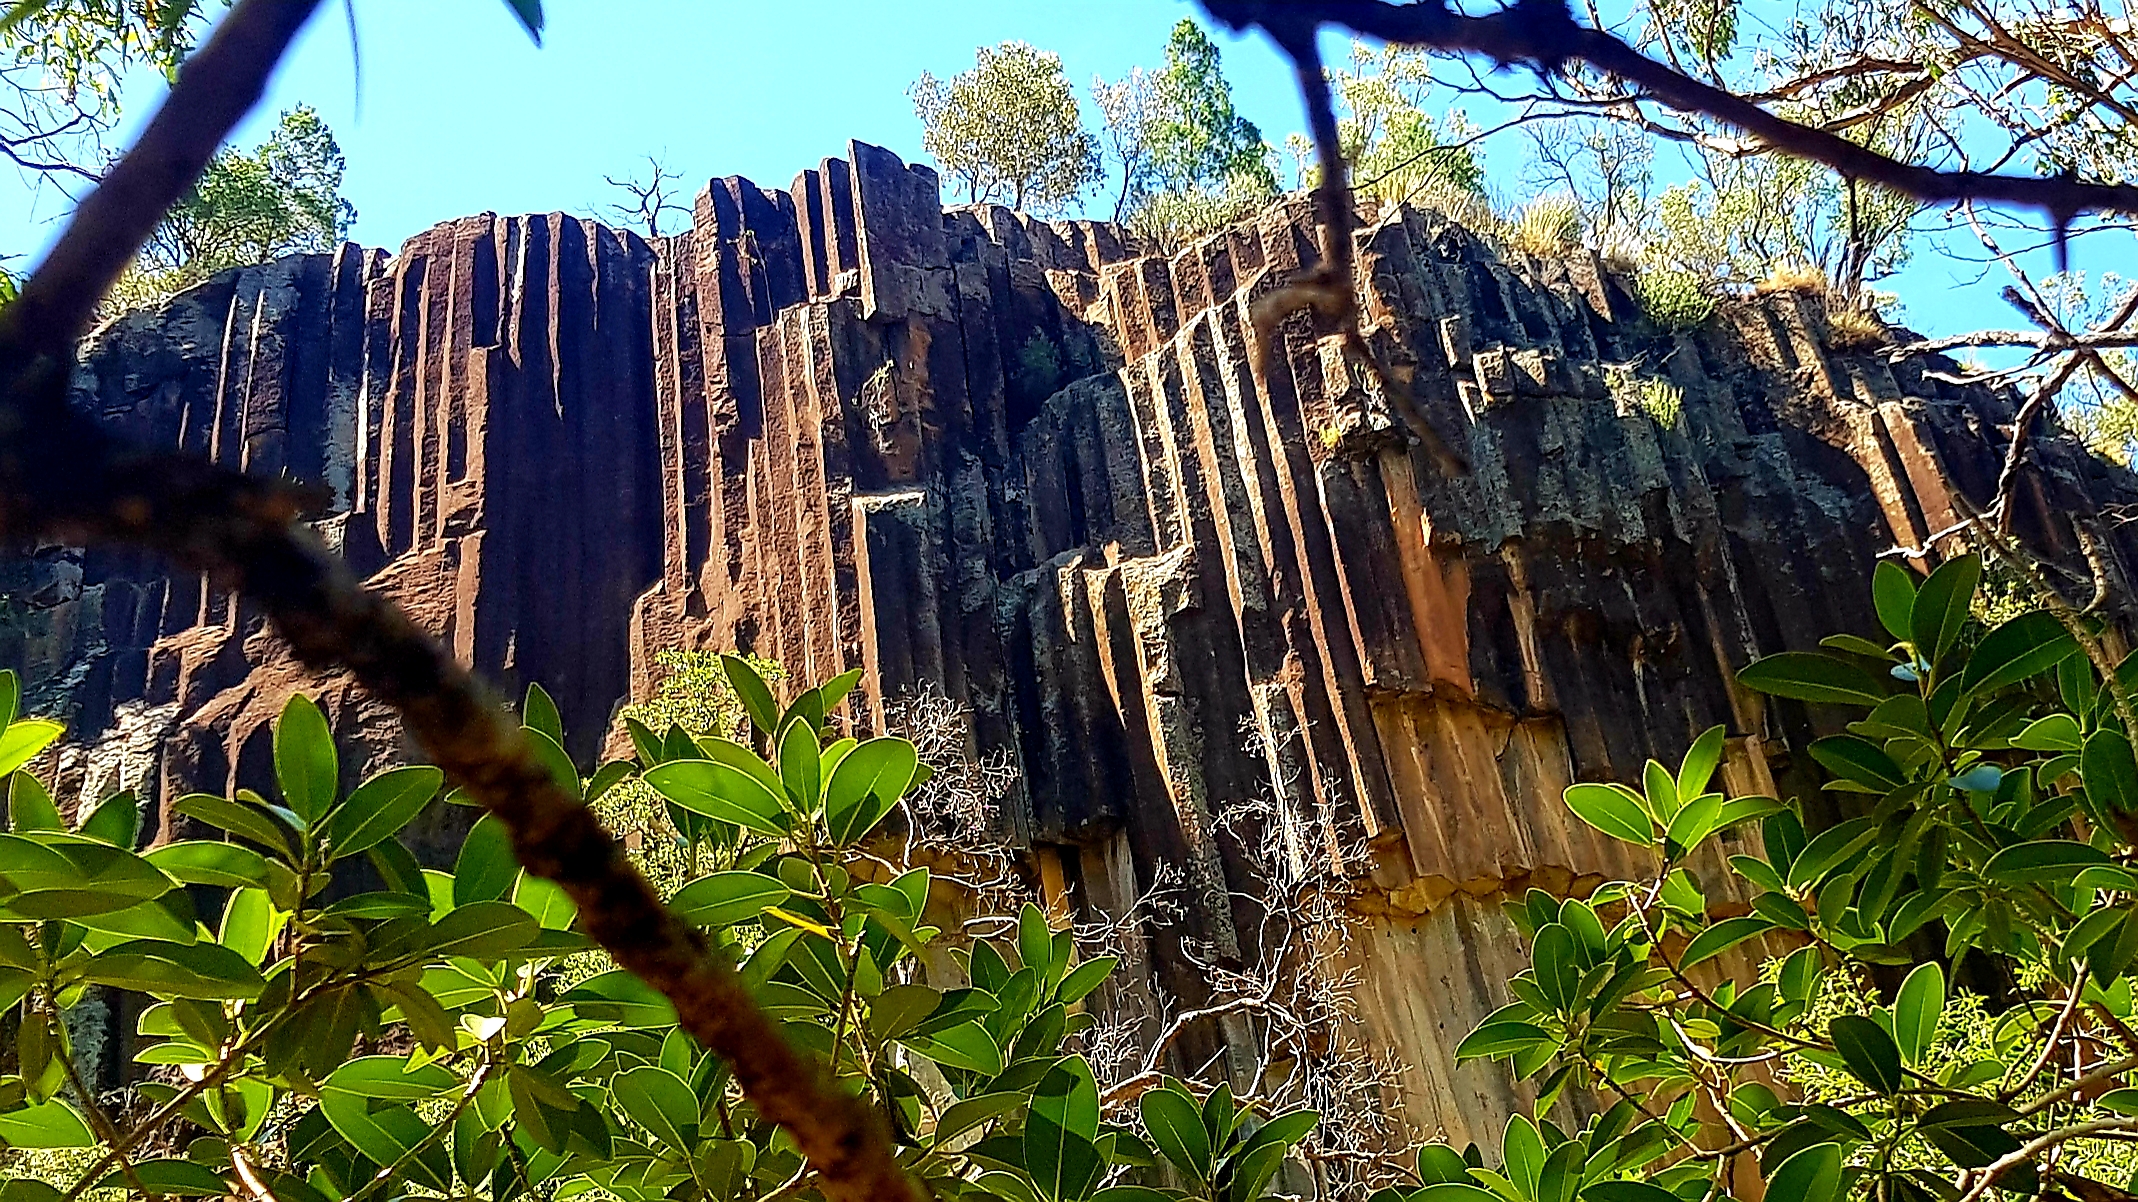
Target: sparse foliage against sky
{"x": 1009, "y": 131}
{"x": 1398, "y": 145}
{"x": 60, "y": 71}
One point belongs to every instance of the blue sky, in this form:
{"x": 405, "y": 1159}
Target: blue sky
{"x": 455, "y": 111}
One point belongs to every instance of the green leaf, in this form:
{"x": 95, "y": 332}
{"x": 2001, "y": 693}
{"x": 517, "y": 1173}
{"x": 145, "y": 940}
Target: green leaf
{"x": 2056, "y": 732}
{"x": 117, "y": 819}
{"x": 485, "y": 930}
{"x": 865, "y": 785}
{"x": 1614, "y": 810}
{"x": 899, "y": 1009}
{"x": 1661, "y": 791}
{"x": 385, "y": 1136}
{"x": 1627, "y": 1191}
{"x": 962, "y": 1116}
{"x": 834, "y": 691}
{"x": 1084, "y": 978}
{"x": 1249, "y": 1171}
{"x": 204, "y": 862}
{"x": 1809, "y": 676}
{"x": 2042, "y": 860}
{"x": 1285, "y": 1129}
{"x": 250, "y": 924}
{"x": 168, "y": 969}
{"x": 562, "y": 772}
{"x": 1701, "y": 760}
{"x": 23, "y": 739}
{"x": 1496, "y": 1039}
{"x": 1059, "y": 1133}
{"x": 539, "y": 712}
{"x": 1870, "y": 1054}
{"x": 1695, "y": 821}
{"x": 11, "y": 684}
{"x": 1455, "y": 1191}
{"x": 1941, "y": 607}
{"x": 305, "y": 765}
{"x": 238, "y": 819}
{"x": 53, "y": 1124}
{"x": 392, "y": 1078}
{"x": 1723, "y": 936}
{"x": 1035, "y": 940}
{"x": 383, "y": 904}
{"x": 380, "y": 807}
{"x": 1557, "y": 964}
{"x": 662, "y": 1103}
{"x": 723, "y": 899}
{"x": 1860, "y": 761}
{"x": 719, "y": 791}
{"x": 967, "y": 1046}
{"x": 1811, "y": 1175}
{"x": 801, "y": 767}
{"x": 1893, "y": 595}
{"x": 1916, "y": 1009}
{"x": 546, "y": 900}
{"x": 2110, "y": 770}
{"x": 1829, "y": 850}
{"x": 757, "y": 700}
{"x": 174, "y": 1178}
{"x": 2026, "y": 646}
{"x": 30, "y": 807}
{"x": 620, "y": 997}
{"x": 487, "y": 866}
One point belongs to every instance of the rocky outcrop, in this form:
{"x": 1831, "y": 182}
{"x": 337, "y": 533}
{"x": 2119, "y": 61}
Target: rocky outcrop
{"x": 1175, "y": 578}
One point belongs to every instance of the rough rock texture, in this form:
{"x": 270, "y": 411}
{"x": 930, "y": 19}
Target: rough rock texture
{"x": 1021, "y": 464}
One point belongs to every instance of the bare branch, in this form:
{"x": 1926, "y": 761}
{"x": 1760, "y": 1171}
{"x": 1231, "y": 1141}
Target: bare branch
{"x": 1544, "y": 33}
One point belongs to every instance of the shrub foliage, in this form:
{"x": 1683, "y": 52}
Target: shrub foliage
{"x": 1795, "y": 1024}
{"x": 322, "y": 1018}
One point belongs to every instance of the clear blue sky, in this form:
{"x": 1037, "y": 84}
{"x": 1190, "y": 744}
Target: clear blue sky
{"x": 455, "y": 111}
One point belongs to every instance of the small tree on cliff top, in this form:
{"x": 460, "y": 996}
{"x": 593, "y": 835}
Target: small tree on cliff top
{"x": 283, "y": 197}
{"x": 1009, "y": 130}
{"x": 1199, "y": 140}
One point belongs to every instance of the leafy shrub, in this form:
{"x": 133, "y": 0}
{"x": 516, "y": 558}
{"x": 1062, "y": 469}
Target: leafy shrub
{"x": 431, "y": 1037}
{"x": 1674, "y": 300}
{"x": 1996, "y": 810}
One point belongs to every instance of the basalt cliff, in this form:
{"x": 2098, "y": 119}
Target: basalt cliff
{"x": 1028, "y": 466}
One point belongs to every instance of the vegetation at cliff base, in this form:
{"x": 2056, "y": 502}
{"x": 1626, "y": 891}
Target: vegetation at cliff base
{"x": 1928, "y": 997}
{"x": 320, "y": 1018}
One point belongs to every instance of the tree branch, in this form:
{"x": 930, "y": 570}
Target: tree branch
{"x": 1544, "y": 33}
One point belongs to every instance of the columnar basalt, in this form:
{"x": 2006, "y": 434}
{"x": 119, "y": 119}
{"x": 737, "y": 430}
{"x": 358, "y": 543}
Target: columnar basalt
{"x": 1170, "y": 573}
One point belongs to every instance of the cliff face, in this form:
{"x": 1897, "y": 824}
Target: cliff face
{"x": 1217, "y": 610}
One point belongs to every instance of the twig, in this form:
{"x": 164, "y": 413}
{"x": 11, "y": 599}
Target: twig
{"x": 1329, "y": 288}
{"x": 1978, "y": 1182}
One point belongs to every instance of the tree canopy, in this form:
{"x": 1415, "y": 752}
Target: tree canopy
{"x": 282, "y": 197}
{"x": 1009, "y": 131}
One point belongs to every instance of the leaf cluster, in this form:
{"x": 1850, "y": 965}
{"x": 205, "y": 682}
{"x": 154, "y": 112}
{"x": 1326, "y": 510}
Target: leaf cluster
{"x": 322, "y": 1015}
{"x": 1988, "y": 789}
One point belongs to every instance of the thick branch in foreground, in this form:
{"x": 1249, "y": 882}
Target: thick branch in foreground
{"x": 1544, "y": 33}
{"x": 62, "y": 477}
